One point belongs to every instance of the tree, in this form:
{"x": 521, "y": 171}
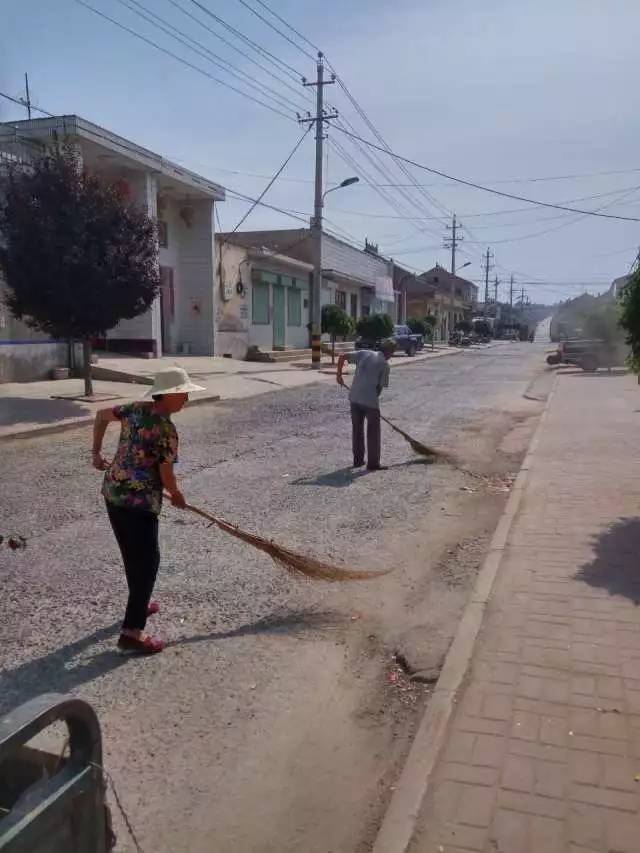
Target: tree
{"x": 463, "y": 326}
{"x": 335, "y": 321}
{"x": 431, "y": 321}
{"x": 76, "y": 256}
{"x": 482, "y": 328}
{"x": 375, "y": 327}
{"x": 630, "y": 318}
{"x": 417, "y": 326}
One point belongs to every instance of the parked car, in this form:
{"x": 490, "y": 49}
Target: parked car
{"x": 406, "y": 341}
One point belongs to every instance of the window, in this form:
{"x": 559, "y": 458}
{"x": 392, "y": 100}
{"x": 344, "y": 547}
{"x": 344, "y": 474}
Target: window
{"x": 341, "y": 299}
{"x": 260, "y": 304}
{"x": 366, "y": 310}
{"x": 163, "y": 234}
{"x": 294, "y": 306}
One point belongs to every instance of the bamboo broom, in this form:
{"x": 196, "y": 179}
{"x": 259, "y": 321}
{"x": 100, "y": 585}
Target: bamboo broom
{"x": 297, "y": 564}
{"x": 416, "y": 446}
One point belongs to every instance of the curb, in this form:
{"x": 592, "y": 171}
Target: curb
{"x": 81, "y": 422}
{"x": 398, "y": 825}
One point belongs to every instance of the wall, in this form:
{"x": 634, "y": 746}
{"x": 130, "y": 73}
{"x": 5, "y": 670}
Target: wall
{"x": 195, "y": 304}
{"x": 233, "y": 315}
{"x": 146, "y": 326}
{"x": 169, "y": 257}
{"x": 26, "y": 355}
{"x": 235, "y": 332}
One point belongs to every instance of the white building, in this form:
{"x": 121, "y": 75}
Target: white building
{"x": 183, "y": 317}
{"x": 264, "y": 287}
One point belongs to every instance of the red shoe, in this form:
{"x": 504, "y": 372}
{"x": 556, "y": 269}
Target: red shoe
{"x": 147, "y": 646}
{"x": 153, "y": 608}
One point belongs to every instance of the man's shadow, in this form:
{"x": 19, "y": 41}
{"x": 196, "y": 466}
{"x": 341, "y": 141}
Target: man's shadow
{"x": 615, "y": 565}
{"x": 339, "y": 479}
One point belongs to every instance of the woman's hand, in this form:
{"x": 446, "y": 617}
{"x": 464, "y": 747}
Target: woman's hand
{"x": 99, "y": 462}
{"x": 177, "y": 499}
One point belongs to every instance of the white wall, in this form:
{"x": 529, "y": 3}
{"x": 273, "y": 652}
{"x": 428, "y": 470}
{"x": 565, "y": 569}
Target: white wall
{"x": 195, "y": 304}
{"x": 235, "y": 331}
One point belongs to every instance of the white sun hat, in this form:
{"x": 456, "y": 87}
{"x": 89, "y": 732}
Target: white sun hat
{"x": 175, "y": 380}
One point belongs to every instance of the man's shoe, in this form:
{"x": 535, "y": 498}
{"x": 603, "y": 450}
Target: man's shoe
{"x": 377, "y": 467}
{"x": 358, "y": 464}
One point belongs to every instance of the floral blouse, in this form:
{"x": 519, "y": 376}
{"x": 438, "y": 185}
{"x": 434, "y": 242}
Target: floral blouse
{"x": 147, "y": 439}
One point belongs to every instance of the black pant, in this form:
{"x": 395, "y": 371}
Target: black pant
{"x": 136, "y": 532}
{"x": 372, "y": 416}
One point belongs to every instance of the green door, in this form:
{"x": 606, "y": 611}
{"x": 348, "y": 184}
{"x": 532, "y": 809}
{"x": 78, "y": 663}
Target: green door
{"x": 278, "y": 317}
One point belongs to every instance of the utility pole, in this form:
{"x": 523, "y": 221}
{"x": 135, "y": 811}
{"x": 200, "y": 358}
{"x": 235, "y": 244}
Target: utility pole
{"x": 451, "y": 243}
{"x": 487, "y": 269}
{"x": 495, "y": 291}
{"x": 27, "y": 99}
{"x": 316, "y": 224}
{"x": 511, "y": 299}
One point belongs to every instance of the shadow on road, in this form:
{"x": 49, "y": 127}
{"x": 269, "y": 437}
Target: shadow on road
{"x": 55, "y": 673}
{"x": 288, "y": 623}
{"x": 16, "y": 410}
{"x": 336, "y": 479}
{"x": 615, "y": 566}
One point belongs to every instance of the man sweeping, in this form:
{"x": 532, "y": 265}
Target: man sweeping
{"x": 372, "y": 375}
{"x": 132, "y": 489}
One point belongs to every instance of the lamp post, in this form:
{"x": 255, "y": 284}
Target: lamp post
{"x": 316, "y": 289}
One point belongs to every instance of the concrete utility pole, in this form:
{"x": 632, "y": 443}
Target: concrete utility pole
{"x": 511, "y": 298}
{"x": 27, "y": 99}
{"x": 451, "y": 243}
{"x": 487, "y": 270}
{"x": 316, "y": 225}
{"x": 495, "y": 293}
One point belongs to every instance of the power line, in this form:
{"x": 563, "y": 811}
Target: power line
{"x": 242, "y": 53}
{"x": 272, "y": 181}
{"x": 275, "y": 29}
{"x": 23, "y": 103}
{"x": 202, "y": 50}
{"x": 287, "y": 24}
{"x": 480, "y": 186}
{"x": 296, "y": 75}
{"x": 184, "y": 61}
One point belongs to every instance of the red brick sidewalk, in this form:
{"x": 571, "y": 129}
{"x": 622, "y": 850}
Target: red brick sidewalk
{"x": 543, "y": 752}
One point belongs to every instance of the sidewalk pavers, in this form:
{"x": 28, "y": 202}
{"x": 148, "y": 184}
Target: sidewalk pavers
{"x": 542, "y": 754}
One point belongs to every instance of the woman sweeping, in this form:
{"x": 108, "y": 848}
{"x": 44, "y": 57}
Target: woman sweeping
{"x": 132, "y": 488}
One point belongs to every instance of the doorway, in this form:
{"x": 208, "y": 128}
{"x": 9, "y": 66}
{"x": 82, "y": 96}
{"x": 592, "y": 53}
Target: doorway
{"x": 278, "y": 317}
{"x": 353, "y": 306}
{"x": 167, "y": 308}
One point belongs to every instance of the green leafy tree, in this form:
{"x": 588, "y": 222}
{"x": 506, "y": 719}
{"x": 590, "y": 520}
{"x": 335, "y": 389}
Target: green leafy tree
{"x": 431, "y": 321}
{"x": 417, "y": 326}
{"x": 630, "y": 318}
{"x": 76, "y": 256}
{"x": 463, "y": 326}
{"x": 482, "y": 328}
{"x": 337, "y": 323}
{"x": 375, "y": 327}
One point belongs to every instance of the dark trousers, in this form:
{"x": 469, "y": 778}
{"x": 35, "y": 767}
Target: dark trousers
{"x": 360, "y": 414}
{"x": 137, "y": 535}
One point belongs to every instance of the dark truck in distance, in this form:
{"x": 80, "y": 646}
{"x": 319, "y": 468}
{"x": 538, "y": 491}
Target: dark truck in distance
{"x": 406, "y": 341}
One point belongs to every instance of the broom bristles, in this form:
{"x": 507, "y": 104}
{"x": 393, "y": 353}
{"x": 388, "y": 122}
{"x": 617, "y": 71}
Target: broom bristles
{"x": 418, "y": 446}
{"x": 293, "y": 562}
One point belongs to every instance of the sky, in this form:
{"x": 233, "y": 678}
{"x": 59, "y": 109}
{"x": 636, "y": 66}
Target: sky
{"x": 535, "y": 99}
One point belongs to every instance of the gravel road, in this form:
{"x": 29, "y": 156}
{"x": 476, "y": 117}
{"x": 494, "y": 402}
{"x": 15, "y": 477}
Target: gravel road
{"x": 278, "y": 716}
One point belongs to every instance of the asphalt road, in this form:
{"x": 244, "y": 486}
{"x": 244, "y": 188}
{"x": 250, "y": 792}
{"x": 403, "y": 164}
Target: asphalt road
{"x": 259, "y": 727}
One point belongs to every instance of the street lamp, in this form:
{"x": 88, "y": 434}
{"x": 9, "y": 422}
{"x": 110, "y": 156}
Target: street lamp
{"x": 346, "y": 183}
{"x": 316, "y": 287}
